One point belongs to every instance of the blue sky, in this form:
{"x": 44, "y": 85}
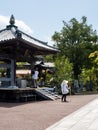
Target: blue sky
{"x": 43, "y": 17}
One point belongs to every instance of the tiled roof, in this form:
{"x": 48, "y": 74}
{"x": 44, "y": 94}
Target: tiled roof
{"x": 11, "y": 32}
{"x": 6, "y": 35}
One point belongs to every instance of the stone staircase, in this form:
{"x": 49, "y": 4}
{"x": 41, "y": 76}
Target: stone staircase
{"x": 46, "y": 94}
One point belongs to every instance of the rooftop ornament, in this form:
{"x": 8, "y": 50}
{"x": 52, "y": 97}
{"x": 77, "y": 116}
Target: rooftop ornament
{"x": 12, "y": 20}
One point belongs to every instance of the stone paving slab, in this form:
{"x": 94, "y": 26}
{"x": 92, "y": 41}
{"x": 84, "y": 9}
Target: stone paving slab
{"x": 85, "y": 118}
{"x": 39, "y": 115}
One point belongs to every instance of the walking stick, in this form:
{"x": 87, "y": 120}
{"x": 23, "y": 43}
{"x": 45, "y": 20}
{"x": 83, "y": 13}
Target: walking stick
{"x": 70, "y": 93}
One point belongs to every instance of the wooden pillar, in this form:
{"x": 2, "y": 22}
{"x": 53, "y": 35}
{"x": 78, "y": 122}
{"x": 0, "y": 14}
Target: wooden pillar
{"x": 32, "y": 69}
{"x": 13, "y": 72}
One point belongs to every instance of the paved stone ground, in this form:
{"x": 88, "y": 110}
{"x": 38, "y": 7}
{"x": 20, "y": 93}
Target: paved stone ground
{"x": 85, "y": 118}
{"x": 39, "y": 115}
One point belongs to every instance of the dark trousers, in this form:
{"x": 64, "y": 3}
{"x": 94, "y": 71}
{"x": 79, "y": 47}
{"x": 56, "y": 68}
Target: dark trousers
{"x": 63, "y": 97}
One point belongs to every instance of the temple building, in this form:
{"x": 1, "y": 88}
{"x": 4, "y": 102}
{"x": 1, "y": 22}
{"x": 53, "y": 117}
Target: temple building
{"x": 17, "y": 46}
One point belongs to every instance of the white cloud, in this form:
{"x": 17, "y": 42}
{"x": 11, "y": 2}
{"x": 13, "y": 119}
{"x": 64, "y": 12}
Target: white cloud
{"x": 22, "y": 26}
{"x": 4, "y": 20}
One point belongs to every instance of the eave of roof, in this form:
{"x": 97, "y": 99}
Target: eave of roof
{"x": 11, "y": 32}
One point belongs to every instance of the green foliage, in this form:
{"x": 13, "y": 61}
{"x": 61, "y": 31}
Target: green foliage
{"x": 86, "y": 74}
{"x": 49, "y": 58}
{"x": 63, "y": 69}
{"x": 76, "y": 41}
{"x": 94, "y": 57}
{"x": 90, "y": 74}
{"x": 21, "y": 63}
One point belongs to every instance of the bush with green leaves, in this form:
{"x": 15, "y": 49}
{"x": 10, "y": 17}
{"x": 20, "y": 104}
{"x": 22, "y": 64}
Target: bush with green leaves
{"x": 64, "y": 70}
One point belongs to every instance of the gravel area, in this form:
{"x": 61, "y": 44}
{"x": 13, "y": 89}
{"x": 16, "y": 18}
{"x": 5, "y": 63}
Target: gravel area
{"x": 39, "y": 115}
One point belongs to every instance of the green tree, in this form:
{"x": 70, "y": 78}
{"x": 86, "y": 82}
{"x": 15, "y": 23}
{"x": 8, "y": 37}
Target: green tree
{"x": 76, "y": 41}
{"x": 94, "y": 58}
{"x": 63, "y": 69}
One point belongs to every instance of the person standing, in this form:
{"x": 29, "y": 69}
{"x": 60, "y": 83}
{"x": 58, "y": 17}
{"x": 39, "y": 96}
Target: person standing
{"x": 64, "y": 90}
{"x": 35, "y": 77}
